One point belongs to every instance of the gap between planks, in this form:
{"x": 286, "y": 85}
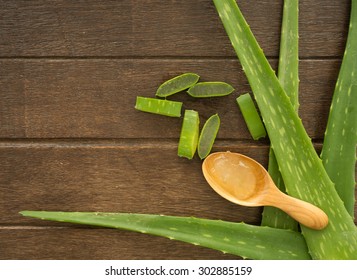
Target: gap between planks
{"x": 214, "y": 58}
{"x": 63, "y": 226}
{"x": 22, "y": 227}
{"x": 116, "y": 143}
{"x": 147, "y": 143}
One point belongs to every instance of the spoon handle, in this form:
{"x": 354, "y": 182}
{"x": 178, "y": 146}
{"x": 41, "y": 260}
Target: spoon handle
{"x": 305, "y": 213}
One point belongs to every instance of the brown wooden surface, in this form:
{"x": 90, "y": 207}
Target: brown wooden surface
{"x": 71, "y": 140}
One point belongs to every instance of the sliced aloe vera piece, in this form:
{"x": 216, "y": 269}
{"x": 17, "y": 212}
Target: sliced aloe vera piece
{"x": 208, "y": 135}
{"x": 158, "y": 106}
{"x": 177, "y": 84}
{"x": 251, "y": 116}
{"x": 210, "y": 89}
{"x": 189, "y": 134}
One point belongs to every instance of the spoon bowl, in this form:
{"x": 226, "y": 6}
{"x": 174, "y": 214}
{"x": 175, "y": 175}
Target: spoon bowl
{"x": 244, "y": 181}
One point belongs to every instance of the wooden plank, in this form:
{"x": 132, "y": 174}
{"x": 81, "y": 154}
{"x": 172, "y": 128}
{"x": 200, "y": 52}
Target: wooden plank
{"x": 72, "y": 141}
{"x": 159, "y": 28}
{"x": 96, "y": 244}
{"x": 117, "y": 177}
{"x": 95, "y": 98}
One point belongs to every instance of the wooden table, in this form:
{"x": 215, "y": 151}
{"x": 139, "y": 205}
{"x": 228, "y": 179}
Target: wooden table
{"x": 71, "y": 139}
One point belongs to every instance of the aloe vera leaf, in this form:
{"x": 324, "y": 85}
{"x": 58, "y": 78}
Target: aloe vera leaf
{"x": 208, "y": 135}
{"x": 272, "y": 216}
{"x": 210, "y": 89}
{"x": 240, "y": 239}
{"x": 251, "y": 116}
{"x": 302, "y": 170}
{"x": 189, "y": 134}
{"x": 288, "y": 69}
{"x": 339, "y": 146}
{"x": 288, "y": 75}
{"x": 158, "y": 106}
{"x": 177, "y": 84}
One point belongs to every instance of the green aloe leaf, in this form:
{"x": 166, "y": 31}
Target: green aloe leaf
{"x": 288, "y": 75}
{"x": 339, "y": 147}
{"x": 248, "y": 241}
{"x": 303, "y": 172}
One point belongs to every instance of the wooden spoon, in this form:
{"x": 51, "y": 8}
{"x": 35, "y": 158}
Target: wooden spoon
{"x": 244, "y": 181}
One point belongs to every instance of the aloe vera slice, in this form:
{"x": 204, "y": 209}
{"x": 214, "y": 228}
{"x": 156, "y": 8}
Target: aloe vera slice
{"x": 189, "y": 134}
{"x": 251, "y": 116}
{"x": 210, "y": 89}
{"x": 208, "y": 135}
{"x": 253, "y": 242}
{"x": 158, "y": 106}
{"x": 177, "y": 84}
{"x": 304, "y": 175}
{"x": 339, "y": 147}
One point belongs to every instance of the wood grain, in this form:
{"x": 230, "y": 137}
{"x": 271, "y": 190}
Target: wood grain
{"x": 68, "y": 243}
{"x": 71, "y": 140}
{"x": 159, "y": 28}
{"x": 123, "y": 177}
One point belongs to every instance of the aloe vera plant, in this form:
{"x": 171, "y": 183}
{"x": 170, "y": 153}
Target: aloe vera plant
{"x": 248, "y": 241}
{"x": 339, "y": 147}
{"x": 288, "y": 75}
{"x": 302, "y": 170}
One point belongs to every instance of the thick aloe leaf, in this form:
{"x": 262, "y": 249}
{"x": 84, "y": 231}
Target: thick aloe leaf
{"x": 302, "y": 170}
{"x": 253, "y": 242}
{"x": 288, "y": 75}
{"x": 339, "y": 147}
